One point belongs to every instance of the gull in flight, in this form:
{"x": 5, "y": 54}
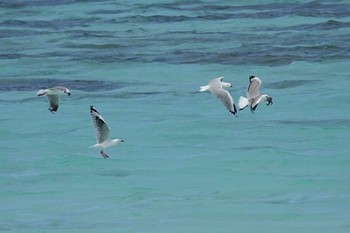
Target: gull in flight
{"x": 53, "y": 95}
{"x": 102, "y": 133}
{"x": 216, "y": 87}
{"x": 253, "y": 95}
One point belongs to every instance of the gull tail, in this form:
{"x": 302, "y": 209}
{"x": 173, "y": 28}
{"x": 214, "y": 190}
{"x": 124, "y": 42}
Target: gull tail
{"x": 204, "y": 88}
{"x": 41, "y": 92}
{"x": 243, "y": 102}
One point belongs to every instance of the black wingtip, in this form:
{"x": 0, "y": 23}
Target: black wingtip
{"x": 251, "y": 77}
{"x": 252, "y": 109}
{"x": 234, "y": 112}
{"x": 92, "y": 109}
{"x": 52, "y": 111}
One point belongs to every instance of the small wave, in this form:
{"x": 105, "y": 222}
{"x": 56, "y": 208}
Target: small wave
{"x": 112, "y": 173}
{"x": 35, "y": 84}
{"x": 328, "y": 25}
{"x": 56, "y": 24}
{"x": 289, "y": 83}
{"x": 317, "y": 123}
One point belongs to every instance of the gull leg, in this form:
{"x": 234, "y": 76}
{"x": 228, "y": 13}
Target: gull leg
{"x": 104, "y": 154}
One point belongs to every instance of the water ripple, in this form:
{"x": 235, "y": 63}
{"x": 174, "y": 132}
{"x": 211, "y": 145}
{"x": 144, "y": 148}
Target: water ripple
{"x": 35, "y": 84}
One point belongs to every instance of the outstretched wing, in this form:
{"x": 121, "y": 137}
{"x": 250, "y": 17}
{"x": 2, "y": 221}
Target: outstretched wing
{"x": 226, "y": 99}
{"x": 102, "y": 130}
{"x": 253, "y": 87}
{"x": 54, "y": 101}
{"x": 216, "y": 82}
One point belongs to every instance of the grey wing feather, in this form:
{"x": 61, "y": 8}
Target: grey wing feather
{"x": 255, "y": 102}
{"x": 225, "y": 98}
{"x": 253, "y": 88}
{"x": 216, "y": 82}
{"x": 60, "y": 88}
{"x": 54, "y": 101}
{"x": 102, "y": 130}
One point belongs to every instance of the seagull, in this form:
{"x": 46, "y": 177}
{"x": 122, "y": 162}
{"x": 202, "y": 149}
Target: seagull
{"x": 253, "y": 95}
{"x": 216, "y": 87}
{"x": 102, "y": 133}
{"x": 53, "y": 95}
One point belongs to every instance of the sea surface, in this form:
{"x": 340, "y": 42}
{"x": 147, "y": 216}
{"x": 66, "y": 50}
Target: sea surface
{"x": 187, "y": 165}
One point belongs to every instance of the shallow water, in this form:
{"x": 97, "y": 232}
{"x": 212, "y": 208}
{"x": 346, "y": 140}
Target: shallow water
{"x": 187, "y": 165}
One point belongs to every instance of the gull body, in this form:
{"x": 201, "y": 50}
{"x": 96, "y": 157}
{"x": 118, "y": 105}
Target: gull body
{"x": 53, "y": 95}
{"x": 253, "y": 95}
{"x": 216, "y": 87}
{"x": 102, "y": 133}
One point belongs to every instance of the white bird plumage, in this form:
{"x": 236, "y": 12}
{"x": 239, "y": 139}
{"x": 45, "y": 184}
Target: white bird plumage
{"x": 216, "y": 87}
{"x": 53, "y": 95}
{"x": 102, "y": 133}
{"x": 253, "y": 95}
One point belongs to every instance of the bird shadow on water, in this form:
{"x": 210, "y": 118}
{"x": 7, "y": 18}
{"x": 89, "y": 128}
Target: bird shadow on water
{"x": 113, "y": 173}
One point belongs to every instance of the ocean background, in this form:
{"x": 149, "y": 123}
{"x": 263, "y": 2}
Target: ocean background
{"x": 187, "y": 164}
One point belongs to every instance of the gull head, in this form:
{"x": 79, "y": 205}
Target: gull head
{"x": 67, "y": 92}
{"x": 226, "y": 84}
{"x": 116, "y": 141}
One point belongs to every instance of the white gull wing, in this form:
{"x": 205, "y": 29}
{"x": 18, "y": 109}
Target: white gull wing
{"x": 216, "y": 83}
{"x": 254, "y": 103}
{"x": 54, "y": 101}
{"x": 53, "y": 95}
{"x": 102, "y": 130}
{"x": 253, "y": 87}
{"x": 213, "y": 84}
{"x": 60, "y": 89}
{"x": 225, "y": 98}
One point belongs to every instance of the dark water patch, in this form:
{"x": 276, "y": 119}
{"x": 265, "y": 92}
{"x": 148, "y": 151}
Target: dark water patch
{"x": 106, "y": 12}
{"x": 199, "y": 10}
{"x": 249, "y": 54}
{"x": 78, "y": 33}
{"x": 36, "y": 84}
{"x": 11, "y": 55}
{"x": 56, "y": 24}
{"x": 117, "y": 174}
{"x": 328, "y": 25}
{"x": 16, "y": 101}
{"x": 127, "y": 95}
{"x": 93, "y": 46}
{"x": 15, "y": 4}
{"x": 229, "y": 57}
{"x": 139, "y": 19}
{"x": 120, "y": 95}
{"x": 285, "y": 200}
{"x": 9, "y": 33}
{"x": 12, "y": 4}
{"x": 289, "y": 83}
{"x": 268, "y": 10}
{"x": 252, "y": 148}
{"x": 316, "y": 123}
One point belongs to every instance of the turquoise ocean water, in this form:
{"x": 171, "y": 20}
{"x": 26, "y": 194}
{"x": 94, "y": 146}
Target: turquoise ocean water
{"x": 187, "y": 165}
